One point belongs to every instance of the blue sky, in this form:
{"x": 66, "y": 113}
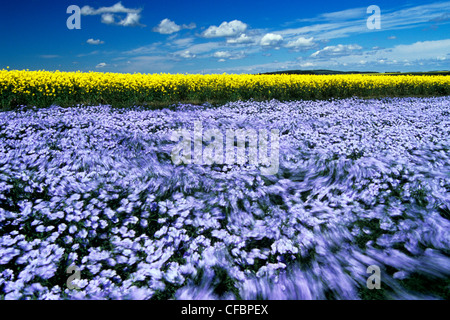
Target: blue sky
{"x": 225, "y": 36}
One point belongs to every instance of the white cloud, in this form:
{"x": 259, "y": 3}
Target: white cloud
{"x": 421, "y": 53}
{"x": 95, "y": 42}
{"x": 226, "y": 29}
{"x": 243, "y": 38}
{"x": 231, "y": 36}
{"x": 131, "y": 20}
{"x": 392, "y": 37}
{"x": 167, "y": 26}
{"x": 348, "y": 22}
{"x": 108, "y": 18}
{"x": 110, "y": 14}
{"x": 222, "y": 54}
{"x": 333, "y": 51}
{"x": 191, "y": 25}
{"x": 301, "y": 43}
{"x": 201, "y": 48}
{"x": 348, "y": 14}
{"x": 182, "y": 43}
{"x": 187, "y": 54}
{"x": 101, "y": 65}
{"x": 414, "y": 16}
{"x": 117, "y": 8}
{"x": 152, "y": 48}
{"x": 442, "y": 18}
{"x": 418, "y": 50}
{"x": 353, "y": 13}
{"x": 271, "y": 40}
{"x": 307, "y": 64}
{"x": 88, "y": 11}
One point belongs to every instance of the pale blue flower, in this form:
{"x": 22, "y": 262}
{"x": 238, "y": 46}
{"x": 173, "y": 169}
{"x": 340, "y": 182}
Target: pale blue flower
{"x": 359, "y": 183}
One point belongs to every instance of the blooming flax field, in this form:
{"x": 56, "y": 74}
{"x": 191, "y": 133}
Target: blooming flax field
{"x": 360, "y": 183}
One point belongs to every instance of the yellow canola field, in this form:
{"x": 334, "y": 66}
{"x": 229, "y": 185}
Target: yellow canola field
{"x": 42, "y": 88}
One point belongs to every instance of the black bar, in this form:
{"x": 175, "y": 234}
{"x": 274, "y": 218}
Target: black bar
{"x": 223, "y": 309}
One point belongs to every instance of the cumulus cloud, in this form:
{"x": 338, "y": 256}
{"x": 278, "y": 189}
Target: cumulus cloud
{"x": 110, "y": 14}
{"x": 95, "y": 42}
{"x": 335, "y": 51}
{"x": 108, "y": 18}
{"x": 226, "y": 29}
{"x": 271, "y": 40}
{"x": 222, "y": 54}
{"x": 101, "y": 65}
{"x": 167, "y": 26}
{"x": 243, "y": 38}
{"x": 301, "y": 43}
